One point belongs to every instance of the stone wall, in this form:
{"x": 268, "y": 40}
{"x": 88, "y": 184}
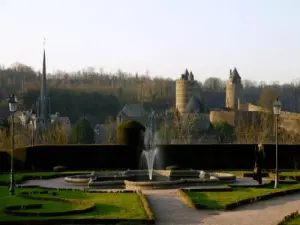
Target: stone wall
{"x": 288, "y": 120}
{"x": 222, "y": 116}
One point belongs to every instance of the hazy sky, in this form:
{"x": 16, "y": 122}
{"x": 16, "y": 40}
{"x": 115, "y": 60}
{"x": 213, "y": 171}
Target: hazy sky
{"x": 259, "y": 37}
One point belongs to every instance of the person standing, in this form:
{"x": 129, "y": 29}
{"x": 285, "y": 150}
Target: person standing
{"x": 259, "y": 158}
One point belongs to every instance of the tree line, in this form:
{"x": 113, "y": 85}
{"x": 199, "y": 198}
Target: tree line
{"x": 106, "y": 93}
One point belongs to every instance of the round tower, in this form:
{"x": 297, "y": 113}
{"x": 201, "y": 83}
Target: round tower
{"x": 234, "y": 90}
{"x": 185, "y": 89}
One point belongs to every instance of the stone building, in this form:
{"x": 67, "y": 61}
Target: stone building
{"x": 234, "y": 90}
{"x": 39, "y": 117}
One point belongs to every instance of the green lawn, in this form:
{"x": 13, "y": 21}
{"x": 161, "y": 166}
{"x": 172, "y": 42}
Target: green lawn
{"x": 295, "y": 221}
{"x": 218, "y": 200}
{"x": 290, "y": 173}
{"x": 108, "y": 205}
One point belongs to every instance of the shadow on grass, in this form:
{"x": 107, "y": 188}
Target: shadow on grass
{"x": 105, "y": 209}
{"x": 201, "y": 201}
{"x": 276, "y": 201}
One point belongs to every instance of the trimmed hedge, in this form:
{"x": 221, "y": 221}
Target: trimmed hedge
{"x": 204, "y": 157}
{"x": 129, "y": 133}
{"x": 227, "y": 156}
{"x": 78, "y": 157}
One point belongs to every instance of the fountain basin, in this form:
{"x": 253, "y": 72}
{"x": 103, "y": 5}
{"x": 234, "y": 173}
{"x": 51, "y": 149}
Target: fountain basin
{"x": 80, "y": 179}
{"x": 224, "y": 176}
{"x": 161, "y": 179}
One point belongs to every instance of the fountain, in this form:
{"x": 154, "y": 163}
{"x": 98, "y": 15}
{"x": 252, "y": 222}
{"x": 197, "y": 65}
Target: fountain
{"x": 150, "y": 141}
{"x": 150, "y": 178}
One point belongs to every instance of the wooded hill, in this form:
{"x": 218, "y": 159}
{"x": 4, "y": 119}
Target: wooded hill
{"x": 98, "y": 95}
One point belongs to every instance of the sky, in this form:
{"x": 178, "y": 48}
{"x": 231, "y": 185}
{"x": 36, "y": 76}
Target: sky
{"x": 261, "y": 38}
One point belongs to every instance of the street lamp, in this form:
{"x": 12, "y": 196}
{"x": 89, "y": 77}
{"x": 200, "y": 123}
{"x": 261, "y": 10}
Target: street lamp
{"x": 13, "y": 104}
{"x": 276, "y": 110}
{"x": 32, "y": 121}
{"x": 166, "y": 120}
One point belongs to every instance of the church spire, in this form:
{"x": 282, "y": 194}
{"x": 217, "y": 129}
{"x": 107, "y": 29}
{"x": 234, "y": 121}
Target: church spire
{"x": 43, "y": 97}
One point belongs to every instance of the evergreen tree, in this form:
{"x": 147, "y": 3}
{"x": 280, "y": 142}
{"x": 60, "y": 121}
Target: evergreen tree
{"x": 83, "y": 133}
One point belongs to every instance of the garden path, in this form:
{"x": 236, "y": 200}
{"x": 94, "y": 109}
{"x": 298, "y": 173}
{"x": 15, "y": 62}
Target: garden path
{"x": 169, "y": 209}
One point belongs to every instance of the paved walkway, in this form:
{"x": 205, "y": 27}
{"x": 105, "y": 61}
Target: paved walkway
{"x": 169, "y": 209}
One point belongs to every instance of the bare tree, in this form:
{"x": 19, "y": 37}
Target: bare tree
{"x": 57, "y": 134}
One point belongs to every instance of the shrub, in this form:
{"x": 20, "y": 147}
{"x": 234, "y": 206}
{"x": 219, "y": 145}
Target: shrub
{"x": 129, "y": 133}
{"x": 59, "y": 169}
{"x": 83, "y": 133}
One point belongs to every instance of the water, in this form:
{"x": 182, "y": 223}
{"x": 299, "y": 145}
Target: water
{"x": 151, "y": 150}
{"x": 150, "y": 155}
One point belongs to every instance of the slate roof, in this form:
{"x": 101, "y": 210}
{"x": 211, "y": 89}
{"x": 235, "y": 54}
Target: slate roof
{"x": 135, "y": 110}
{"x": 143, "y": 109}
{"x": 195, "y": 105}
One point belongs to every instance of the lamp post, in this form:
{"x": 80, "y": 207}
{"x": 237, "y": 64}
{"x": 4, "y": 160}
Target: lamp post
{"x": 276, "y": 110}
{"x": 166, "y": 120}
{"x": 32, "y": 131}
{"x": 32, "y": 122}
{"x": 13, "y": 104}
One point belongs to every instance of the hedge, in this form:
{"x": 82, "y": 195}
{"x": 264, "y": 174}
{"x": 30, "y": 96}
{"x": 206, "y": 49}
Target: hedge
{"x": 129, "y": 133}
{"x": 205, "y": 157}
{"x": 227, "y": 156}
{"x": 75, "y": 157}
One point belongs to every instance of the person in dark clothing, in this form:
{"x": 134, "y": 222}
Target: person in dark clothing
{"x": 259, "y": 158}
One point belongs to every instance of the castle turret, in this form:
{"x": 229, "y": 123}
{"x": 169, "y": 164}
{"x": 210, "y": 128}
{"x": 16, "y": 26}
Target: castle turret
{"x": 234, "y": 90}
{"x": 185, "y": 88}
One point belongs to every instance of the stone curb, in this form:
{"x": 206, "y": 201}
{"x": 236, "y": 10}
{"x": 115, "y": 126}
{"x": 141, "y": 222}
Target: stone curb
{"x": 288, "y": 218}
{"x": 77, "y": 221}
{"x": 146, "y": 206}
{"x": 237, "y": 204}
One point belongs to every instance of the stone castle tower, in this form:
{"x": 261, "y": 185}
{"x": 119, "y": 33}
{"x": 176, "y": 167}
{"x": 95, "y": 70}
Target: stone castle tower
{"x": 234, "y": 90}
{"x": 186, "y": 87}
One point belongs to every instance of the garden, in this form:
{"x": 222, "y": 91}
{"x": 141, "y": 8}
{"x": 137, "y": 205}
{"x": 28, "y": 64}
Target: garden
{"x": 61, "y": 206}
{"x": 64, "y": 206}
{"x": 40, "y": 205}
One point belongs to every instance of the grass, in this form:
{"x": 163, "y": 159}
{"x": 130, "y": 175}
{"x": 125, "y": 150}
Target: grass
{"x": 290, "y": 173}
{"x": 295, "y": 221}
{"x": 108, "y": 205}
{"x": 218, "y": 200}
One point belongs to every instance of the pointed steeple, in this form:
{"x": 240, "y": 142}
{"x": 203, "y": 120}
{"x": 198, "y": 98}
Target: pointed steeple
{"x": 43, "y": 96}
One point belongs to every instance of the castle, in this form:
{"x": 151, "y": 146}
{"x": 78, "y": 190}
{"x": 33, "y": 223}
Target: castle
{"x": 188, "y": 100}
